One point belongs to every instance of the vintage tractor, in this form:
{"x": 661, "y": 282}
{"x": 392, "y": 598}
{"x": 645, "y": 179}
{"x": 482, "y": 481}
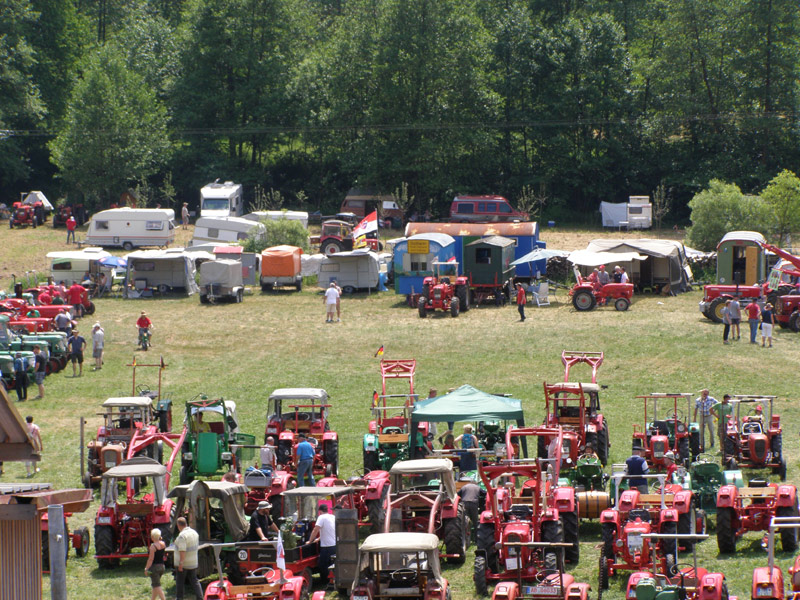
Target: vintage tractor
{"x": 787, "y": 312}
{"x": 267, "y": 485}
{"x": 685, "y": 581}
{"x": 552, "y": 584}
{"x": 523, "y": 515}
{"x": 624, "y": 547}
{"x": 307, "y": 414}
{"x": 423, "y": 499}
{"x": 768, "y": 582}
{"x": 369, "y": 496}
{"x": 337, "y": 236}
{"x": 751, "y": 508}
{"x": 22, "y": 216}
{"x": 754, "y": 440}
{"x": 587, "y": 296}
{"x": 667, "y": 432}
{"x": 123, "y": 527}
{"x": 589, "y": 479}
{"x": 445, "y": 290}
{"x": 399, "y": 565}
{"x": 705, "y": 477}
{"x": 213, "y": 444}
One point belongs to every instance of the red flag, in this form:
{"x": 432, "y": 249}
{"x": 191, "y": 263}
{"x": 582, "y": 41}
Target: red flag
{"x": 367, "y": 225}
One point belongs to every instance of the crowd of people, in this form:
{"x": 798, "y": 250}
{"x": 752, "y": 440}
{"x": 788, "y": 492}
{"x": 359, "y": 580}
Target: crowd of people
{"x": 757, "y": 319}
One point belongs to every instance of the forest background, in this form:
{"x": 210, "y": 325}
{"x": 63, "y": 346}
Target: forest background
{"x": 554, "y": 103}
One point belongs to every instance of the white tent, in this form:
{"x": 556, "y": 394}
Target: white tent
{"x": 665, "y": 262}
{"x": 162, "y": 270}
{"x": 34, "y": 197}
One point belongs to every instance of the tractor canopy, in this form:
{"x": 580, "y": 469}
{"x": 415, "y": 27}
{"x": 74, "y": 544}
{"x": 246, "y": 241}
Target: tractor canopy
{"x": 305, "y": 500}
{"x": 392, "y": 551}
{"x": 138, "y": 466}
{"x": 204, "y": 499}
{"x": 439, "y": 468}
{"x": 226, "y": 408}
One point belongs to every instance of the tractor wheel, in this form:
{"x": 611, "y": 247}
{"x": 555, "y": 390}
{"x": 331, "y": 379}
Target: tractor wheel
{"x": 694, "y": 444}
{"x": 726, "y": 533}
{"x": 602, "y": 444}
{"x": 51, "y": 366}
{"x": 104, "y": 544}
{"x": 701, "y": 521}
{"x": 185, "y": 478}
{"x": 602, "y": 574}
{"x": 782, "y": 469}
{"x": 46, "y": 550}
{"x": 371, "y": 461}
{"x": 426, "y": 292}
{"x": 331, "y": 455}
{"x": 609, "y": 531}
{"x": 730, "y": 447}
{"x": 89, "y": 310}
{"x": 83, "y": 548}
{"x": 331, "y": 246}
{"x": 683, "y": 451}
{"x": 87, "y": 480}
{"x": 776, "y": 446}
{"x": 284, "y": 454}
{"x": 685, "y": 525}
{"x": 723, "y": 593}
{"x": 622, "y": 304}
{"x": 455, "y": 536}
{"x": 794, "y": 322}
{"x": 788, "y": 536}
{"x": 552, "y": 533}
{"x": 569, "y": 521}
{"x": 715, "y": 310}
{"x": 463, "y": 297}
{"x": 455, "y": 306}
{"x": 376, "y": 509}
{"x": 479, "y": 575}
{"x": 422, "y": 307}
{"x": 485, "y": 543}
{"x": 669, "y": 548}
{"x": 583, "y": 300}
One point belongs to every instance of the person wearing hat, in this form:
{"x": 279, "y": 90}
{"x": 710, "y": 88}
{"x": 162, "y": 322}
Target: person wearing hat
{"x": 704, "y": 403}
{"x": 76, "y": 344}
{"x": 185, "y": 215}
{"x": 260, "y": 523}
{"x": 305, "y": 461}
{"x": 144, "y": 324}
{"x": 98, "y": 343}
{"x": 331, "y": 300}
{"x": 637, "y": 465}
{"x": 602, "y": 275}
{"x": 669, "y": 462}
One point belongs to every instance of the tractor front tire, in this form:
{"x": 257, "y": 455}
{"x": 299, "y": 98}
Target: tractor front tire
{"x": 89, "y": 310}
{"x": 455, "y": 536}
{"x": 371, "y": 461}
{"x": 602, "y": 443}
{"x": 462, "y": 292}
{"x": 552, "y": 533}
{"x": 83, "y": 548}
{"x": 622, "y": 304}
{"x": 602, "y": 572}
{"x": 715, "y": 310}
{"x": 422, "y": 307}
{"x": 569, "y": 522}
{"x": 794, "y": 322}
{"x": 455, "y": 307}
{"x": 184, "y": 476}
{"x": 583, "y": 300}
{"x": 479, "y": 575}
{"x": 726, "y": 533}
{"x": 485, "y": 543}
{"x": 376, "y": 511}
{"x": 331, "y": 455}
{"x": 331, "y": 246}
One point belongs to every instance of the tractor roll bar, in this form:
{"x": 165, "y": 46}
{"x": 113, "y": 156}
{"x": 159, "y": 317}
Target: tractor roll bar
{"x": 572, "y": 357}
{"x": 618, "y": 477}
{"x": 696, "y": 537}
{"x": 778, "y": 523}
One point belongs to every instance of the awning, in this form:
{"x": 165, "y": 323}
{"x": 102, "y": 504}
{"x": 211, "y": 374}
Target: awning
{"x": 539, "y": 254}
{"x": 587, "y": 258}
{"x": 468, "y": 404}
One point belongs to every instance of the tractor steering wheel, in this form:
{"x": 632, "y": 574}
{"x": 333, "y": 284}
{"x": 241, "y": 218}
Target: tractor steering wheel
{"x": 303, "y": 416}
{"x": 403, "y": 574}
{"x": 544, "y": 573}
{"x": 705, "y": 457}
{"x": 142, "y": 389}
{"x": 676, "y": 414}
{"x": 266, "y": 572}
{"x": 677, "y": 569}
{"x": 587, "y": 456}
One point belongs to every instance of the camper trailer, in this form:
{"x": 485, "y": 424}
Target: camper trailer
{"x": 354, "y": 270}
{"x": 132, "y": 227}
{"x": 71, "y": 266}
{"x": 221, "y": 279}
{"x": 221, "y": 200}
{"x": 162, "y": 271}
{"x": 218, "y": 230}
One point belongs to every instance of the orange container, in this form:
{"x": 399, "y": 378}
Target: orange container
{"x": 281, "y": 261}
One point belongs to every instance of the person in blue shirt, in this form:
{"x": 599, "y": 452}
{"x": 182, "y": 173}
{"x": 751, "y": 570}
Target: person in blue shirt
{"x": 637, "y": 465}
{"x": 305, "y": 461}
{"x": 20, "y": 377}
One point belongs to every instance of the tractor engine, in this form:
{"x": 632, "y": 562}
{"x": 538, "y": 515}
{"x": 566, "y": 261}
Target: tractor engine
{"x": 515, "y": 557}
{"x": 635, "y": 548}
{"x": 758, "y": 445}
{"x": 111, "y": 456}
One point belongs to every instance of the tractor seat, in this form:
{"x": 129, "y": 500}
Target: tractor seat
{"x": 660, "y": 427}
{"x": 445, "y": 280}
{"x": 570, "y": 412}
{"x": 749, "y": 427}
{"x": 639, "y": 513}
{"x": 758, "y": 483}
{"x": 521, "y": 511}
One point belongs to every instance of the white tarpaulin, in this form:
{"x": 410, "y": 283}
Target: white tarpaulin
{"x": 227, "y": 273}
{"x": 614, "y": 214}
{"x": 666, "y": 263}
{"x": 587, "y": 258}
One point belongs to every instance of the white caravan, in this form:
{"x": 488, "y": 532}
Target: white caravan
{"x": 221, "y": 200}
{"x": 132, "y": 227}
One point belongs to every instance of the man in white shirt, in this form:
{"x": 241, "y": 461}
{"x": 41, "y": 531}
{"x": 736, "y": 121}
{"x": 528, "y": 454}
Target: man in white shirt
{"x": 331, "y": 297}
{"x": 267, "y": 454}
{"x": 325, "y": 530}
{"x": 623, "y": 277}
{"x": 186, "y": 545}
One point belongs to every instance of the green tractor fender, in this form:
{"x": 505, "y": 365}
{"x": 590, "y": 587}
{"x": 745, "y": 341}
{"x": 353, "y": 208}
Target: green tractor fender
{"x": 734, "y": 477}
{"x": 371, "y": 443}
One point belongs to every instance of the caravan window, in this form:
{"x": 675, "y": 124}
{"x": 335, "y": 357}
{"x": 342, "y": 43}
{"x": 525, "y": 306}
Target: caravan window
{"x": 241, "y": 236}
{"x": 62, "y": 266}
{"x": 419, "y": 262}
{"x": 154, "y": 225}
{"x": 213, "y": 232}
{"x": 101, "y": 224}
{"x": 144, "y": 266}
{"x": 483, "y": 256}
{"x": 635, "y": 210}
{"x": 465, "y": 207}
{"x": 215, "y": 204}
{"x": 331, "y": 267}
{"x": 504, "y": 208}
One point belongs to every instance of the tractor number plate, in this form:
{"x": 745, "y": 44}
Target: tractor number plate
{"x": 542, "y": 590}
{"x": 764, "y": 592}
{"x": 360, "y": 597}
{"x": 512, "y": 564}
{"x": 634, "y": 541}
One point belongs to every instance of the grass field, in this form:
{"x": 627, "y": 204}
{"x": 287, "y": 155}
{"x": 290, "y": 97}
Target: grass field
{"x": 242, "y": 352}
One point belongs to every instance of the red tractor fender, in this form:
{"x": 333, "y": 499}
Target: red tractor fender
{"x": 786, "y": 495}
{"x": 634, "y": 580}
{"x": 628, "y": 500}
{"x": 762, "y": 579}
{"x": 376, "y": 486}
{"x": 578, "y": 591}
{"x": 219, "y": 589}
{"x": 682, "y": 501}
{"x": 293, "y": 588}
{"x": 669, "y": 515}
{"x": 564, "y": 499}
{"x": 461, "y": 280}
{"x": 429, "y": 280}
{"x": 711, "y": 586}
{"x": 486, "y": 517}
{"x": 450, "y": 509}
{"x": 727, "y": 496}
{"x": 775, "y": 424}
{"x": 320, "y": 595}
{"x": 329, "y": 482}
{"x": 610, "y": 516}
{"x": 506, "y": 590}
{"x": 286, "y": 435}
{"x": 330, "y": 436}
{"x": 373, "y": 427}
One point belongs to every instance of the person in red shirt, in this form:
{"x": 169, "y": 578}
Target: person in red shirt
{"x": 76, "y": 295}
{"x": 71, "y": 225}
{"x": 45, "y": 298}
{"x": 143, "y": 323}
{"x": 753, "y": 313}
{"x": 521, "y": 301}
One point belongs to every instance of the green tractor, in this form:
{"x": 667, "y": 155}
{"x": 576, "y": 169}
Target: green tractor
{"x": 213, "y": 445}
{"x": 589, "y": 480}
{"x": 704, "y": 477}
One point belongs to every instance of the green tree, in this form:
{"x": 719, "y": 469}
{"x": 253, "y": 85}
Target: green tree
{"x": 115, "y": 130}
{"x": 722, "y": 207}
{"x": 783, "y": 195}
{"x": 279, "y": 232}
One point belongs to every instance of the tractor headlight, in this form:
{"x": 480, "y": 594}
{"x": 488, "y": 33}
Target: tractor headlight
{"x": 187, "y": 456}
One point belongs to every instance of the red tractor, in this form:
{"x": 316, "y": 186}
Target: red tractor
{"x": 423, "y": 499}
{"x": 527, "y": 510}
{"x": 768, "y": 582}
{"x": 22, "y": 215}
{"x": 587, "y": 295}
{"x": 444, "y": 290}
{"x": 754, "y": 440}
{"x": 268, "y": 485}
{"x": 667, "y": 432}
{"x": 337, "y": 236}
{"x": 625, "y": 547}
{"x": 752, "y": 508}
{"x": 566, "y": 407}
{"x": 308, "y": 415}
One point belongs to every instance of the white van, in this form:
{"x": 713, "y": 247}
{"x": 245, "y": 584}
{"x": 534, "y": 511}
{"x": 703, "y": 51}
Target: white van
{"x": 132, "y": 227}
{"x": 225, "y": 229}
{"x": 221, "y": 200}
{"x": 71, "y": 266}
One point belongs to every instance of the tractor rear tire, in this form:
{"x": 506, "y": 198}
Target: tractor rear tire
{"x": 685, "y": 525}
{"x": 552, "y": 533}
{"x": 376, "y": 511}
{"x": 371, "y": 461}
{"x": 455, "y": 307}
{"x": 794, "y": 321}
{"x": 684, "y": 452}
{"x": 104, "y": 544}
{"x": 455, "y": 536}
{"x": 331, "y": 455}
{"x": 331, "y": 246}
{"x": 462, "y": 292}
{"x": 479, "y": 575}
{"x": 608, "y": 530}
{"x": 669, "y": 547}
{"x": 83, "y": 548}
{"x": 89, "y": 310}
{"x": 788, "y": 536}
{"x": 602, "y": 444}
{"x": 583, "y": 300}
{"x": 485, "y": 543}
{"x": 426, "y": 292}
{"x": 602, "y": 572}
{"x": 776, "y": 446}
{"x": 726, "y": 534}
{"x": 184, "y": 476}
{"x": 715, "y": 310}
{"x": 541, "y": 447}
{"x": 422, "y": 307}
{"x": 621, "y": 304}
{"x": 569, "y": 521}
